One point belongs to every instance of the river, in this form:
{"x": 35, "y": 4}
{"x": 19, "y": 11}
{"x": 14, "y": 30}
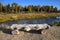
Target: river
{"x": 49, "y": 21}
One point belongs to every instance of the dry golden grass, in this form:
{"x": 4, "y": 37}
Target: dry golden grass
{"x": 29, "y": 16}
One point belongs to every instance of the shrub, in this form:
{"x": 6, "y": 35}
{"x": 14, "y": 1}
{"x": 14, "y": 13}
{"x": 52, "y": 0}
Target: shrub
{"x": 56, "y": 24}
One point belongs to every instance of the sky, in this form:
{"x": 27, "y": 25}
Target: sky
{"x": 55, "y": 3}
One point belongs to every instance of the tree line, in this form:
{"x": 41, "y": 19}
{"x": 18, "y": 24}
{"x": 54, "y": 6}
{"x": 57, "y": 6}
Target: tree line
{"x": 15, "y": 8}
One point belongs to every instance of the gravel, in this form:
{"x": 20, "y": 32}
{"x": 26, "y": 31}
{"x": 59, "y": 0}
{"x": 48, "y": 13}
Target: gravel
{"x": 50, "y": 34}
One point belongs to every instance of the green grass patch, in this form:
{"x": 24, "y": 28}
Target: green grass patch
{"x": 56, "y": 24}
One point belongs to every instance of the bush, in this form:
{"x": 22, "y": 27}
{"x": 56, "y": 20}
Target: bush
{"x": 56, "y": 24}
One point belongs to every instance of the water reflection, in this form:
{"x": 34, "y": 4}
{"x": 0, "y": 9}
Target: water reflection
{"x": 40, "y": 21}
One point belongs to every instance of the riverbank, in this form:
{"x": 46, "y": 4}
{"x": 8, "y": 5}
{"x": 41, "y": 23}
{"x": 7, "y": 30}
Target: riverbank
{"x": 51, "y": 34}
{"x": 28, "y": 16}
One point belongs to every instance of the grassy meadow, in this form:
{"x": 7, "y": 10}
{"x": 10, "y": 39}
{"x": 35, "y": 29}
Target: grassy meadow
{"x": 26, "y": 16}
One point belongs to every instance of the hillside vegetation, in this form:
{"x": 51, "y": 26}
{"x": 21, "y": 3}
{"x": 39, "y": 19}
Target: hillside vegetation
{"x": 15, "y": 8}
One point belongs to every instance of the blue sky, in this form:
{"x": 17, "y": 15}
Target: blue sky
{"x": 55, "y": 3}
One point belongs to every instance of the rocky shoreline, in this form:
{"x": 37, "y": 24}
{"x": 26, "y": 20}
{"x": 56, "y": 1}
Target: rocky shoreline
{"x": 51, "y": 34}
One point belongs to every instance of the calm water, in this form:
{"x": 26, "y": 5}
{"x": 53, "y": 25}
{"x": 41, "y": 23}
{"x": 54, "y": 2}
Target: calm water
{"x": 40, "y": 21}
